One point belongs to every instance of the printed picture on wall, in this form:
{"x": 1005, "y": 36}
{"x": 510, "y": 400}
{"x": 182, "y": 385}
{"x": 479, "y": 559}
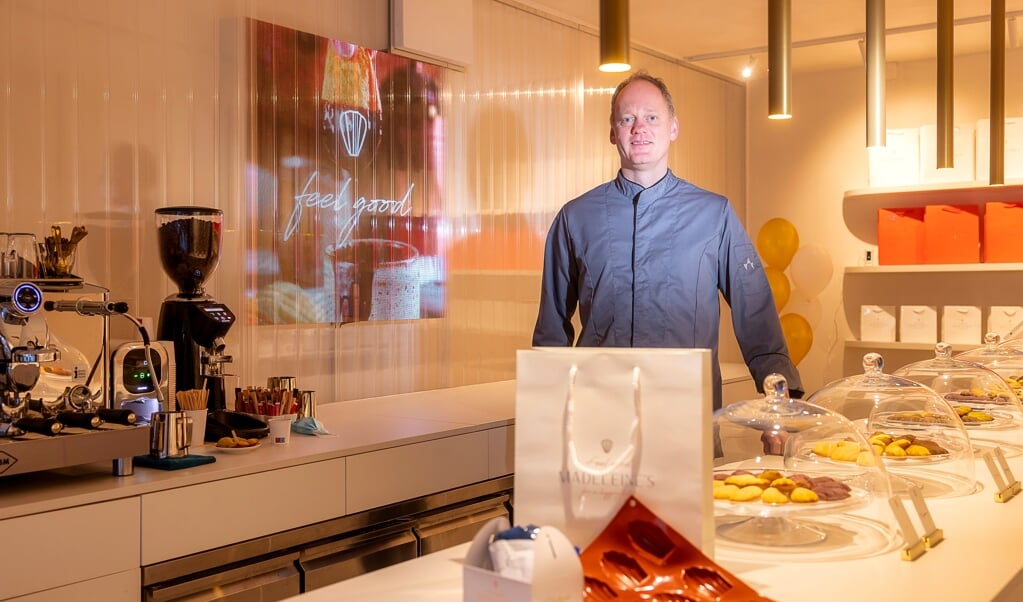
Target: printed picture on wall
{"x": 345, "y": 182}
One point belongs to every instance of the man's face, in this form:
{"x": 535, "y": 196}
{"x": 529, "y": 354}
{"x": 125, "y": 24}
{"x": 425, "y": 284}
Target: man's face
{"x": 643, "y": 128}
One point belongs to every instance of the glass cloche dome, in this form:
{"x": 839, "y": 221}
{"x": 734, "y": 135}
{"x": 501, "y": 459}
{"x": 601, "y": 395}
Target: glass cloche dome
{"x": 918, "y": 436}
{"x": 1003, "y": 357}
{"x": 984, "y": 401}
{"x": 779, "y": 494}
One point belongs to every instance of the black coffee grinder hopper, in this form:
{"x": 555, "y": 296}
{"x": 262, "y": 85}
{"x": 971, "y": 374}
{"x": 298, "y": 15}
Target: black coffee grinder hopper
{"x": 189, "y": 241}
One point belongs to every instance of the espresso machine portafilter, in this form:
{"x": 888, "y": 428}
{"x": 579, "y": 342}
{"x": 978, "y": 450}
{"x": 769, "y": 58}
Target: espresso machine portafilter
{"x": 189, "y": 246}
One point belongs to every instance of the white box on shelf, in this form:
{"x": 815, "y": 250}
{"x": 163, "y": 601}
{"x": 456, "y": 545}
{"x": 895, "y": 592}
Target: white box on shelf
{"x": 918, "y": 324}
{"x": 1003, "y": 319}
{"x": 962, "y": 155}
{"x": 1012, "y": 154}
{"x": 877, "y": 323}
{"x": 960, "y": 324}
{"x": 898, "y": 162}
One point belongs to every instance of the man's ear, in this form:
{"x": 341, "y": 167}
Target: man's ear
{"x": 674, "y": 128}
{"x": 613, "y": 139}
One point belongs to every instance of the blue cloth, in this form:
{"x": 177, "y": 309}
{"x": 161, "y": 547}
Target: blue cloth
{"x": 151, "y": 461}
{"x": 645, "y": 268}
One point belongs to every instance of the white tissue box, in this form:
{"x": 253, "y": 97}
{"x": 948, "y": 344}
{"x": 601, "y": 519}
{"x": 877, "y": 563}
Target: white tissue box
{"x": 961, "y": 324}
{"x": 557, "y": 570}
{"x": 1003, "y": 319}
{"x": 918, "y": 324}
{"x": 877, "y": 323}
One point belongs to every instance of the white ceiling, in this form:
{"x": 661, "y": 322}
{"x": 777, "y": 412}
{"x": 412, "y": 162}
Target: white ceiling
{"x": 722, "y": 35}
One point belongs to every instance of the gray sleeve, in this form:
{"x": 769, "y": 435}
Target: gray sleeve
{"x": 558, "y": 289}
{"x": 754, "y": 316}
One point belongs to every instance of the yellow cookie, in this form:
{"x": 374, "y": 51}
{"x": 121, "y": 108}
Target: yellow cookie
{"x": 773, "y": 496}
{"x": 748, "y": 494}
{"x": 783, "y": 484}
{"x": 725, "y": 492}
{"x": 742, "y": 480}
{"x": 866, "y": 458}
{"x": 822, "y": 448}
{"x": 846, "y": 451}
{"x": 802, "y": 495}
{"x": 894, "y": 451}
{"x": 770, "y": 475}
{"x": 917, "y": 450}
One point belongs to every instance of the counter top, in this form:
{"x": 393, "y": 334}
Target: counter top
{"x": 978, "y": 560}
{"x": 356, "y": 427}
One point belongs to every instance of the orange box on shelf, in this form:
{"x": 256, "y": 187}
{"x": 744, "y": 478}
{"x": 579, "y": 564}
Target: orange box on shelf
{"x": 900, "y": 236}
{"x": 1003, "y": 227}
{"x": 951, "y": 234}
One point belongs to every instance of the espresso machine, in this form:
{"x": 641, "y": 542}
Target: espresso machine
{"x": 189, "y": 241}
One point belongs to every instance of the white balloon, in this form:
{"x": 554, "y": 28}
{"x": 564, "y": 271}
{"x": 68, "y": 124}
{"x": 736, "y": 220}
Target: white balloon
{"x": 811, "y": 269}
{"x": 805, "y": 305}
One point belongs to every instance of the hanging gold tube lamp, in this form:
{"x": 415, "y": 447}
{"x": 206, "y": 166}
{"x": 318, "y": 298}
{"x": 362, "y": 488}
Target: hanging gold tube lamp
{"x": 945, "y": 121}
{"x": 614, "y": 35}
{"x": 875, "y": 58}
{"x": 997, "y": 138}
{"x": 779, "y": 59}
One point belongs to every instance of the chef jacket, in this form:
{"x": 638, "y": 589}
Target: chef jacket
{"x": 645, "y": 265}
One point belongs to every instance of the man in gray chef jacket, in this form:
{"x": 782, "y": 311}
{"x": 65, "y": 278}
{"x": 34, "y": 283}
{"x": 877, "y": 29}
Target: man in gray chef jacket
{"x": 644, "y": 255}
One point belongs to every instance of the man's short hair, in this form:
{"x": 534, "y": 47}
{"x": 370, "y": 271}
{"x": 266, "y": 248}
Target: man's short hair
{"x": 642, "y": 76}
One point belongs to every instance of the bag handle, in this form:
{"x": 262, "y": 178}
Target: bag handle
{"x": 630, "y": 451}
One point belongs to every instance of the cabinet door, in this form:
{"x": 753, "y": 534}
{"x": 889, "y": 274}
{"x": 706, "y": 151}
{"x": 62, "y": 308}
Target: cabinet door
{"x": 353, "y": 555}
{"x": 63, "y": 547}
{"x": 452, "y": 526}
{"x": 265, "y": 581}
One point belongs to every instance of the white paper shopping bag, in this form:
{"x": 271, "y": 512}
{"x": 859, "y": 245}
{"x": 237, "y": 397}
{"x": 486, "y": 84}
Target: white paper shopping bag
{"x": 596, "y": 425}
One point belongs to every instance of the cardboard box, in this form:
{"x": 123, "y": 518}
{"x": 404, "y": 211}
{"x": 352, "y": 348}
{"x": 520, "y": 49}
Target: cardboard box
{"x": 557, "y": 571}
{"x": 877, "y": 323}
{"x": 960, "y": 324}
{"x": 918, "y": 324}
{"x": 900, "y": 236}
{"x": 951, "y": 234}
{"x": 962, "y": 155}
{"x": 1004, "y": 319}
{"x": 1003, "y": 229}
{"x": 898, "y": 162}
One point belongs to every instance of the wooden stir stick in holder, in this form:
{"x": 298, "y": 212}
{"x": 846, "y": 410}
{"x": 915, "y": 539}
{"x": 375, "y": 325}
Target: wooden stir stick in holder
{"x": 193, "y": 399}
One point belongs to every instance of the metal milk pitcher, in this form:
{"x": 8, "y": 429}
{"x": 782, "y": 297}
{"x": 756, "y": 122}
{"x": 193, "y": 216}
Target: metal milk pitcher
{"x": 170, "y": 434}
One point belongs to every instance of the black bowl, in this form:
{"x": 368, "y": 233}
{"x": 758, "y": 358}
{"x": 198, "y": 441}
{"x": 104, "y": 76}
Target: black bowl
{"x": 220, "y": 423}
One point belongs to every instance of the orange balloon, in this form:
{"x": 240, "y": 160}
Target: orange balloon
{"x": 780, "y": 286}
{"x": 777, "y": 242}
{"x": 798, "y": 336}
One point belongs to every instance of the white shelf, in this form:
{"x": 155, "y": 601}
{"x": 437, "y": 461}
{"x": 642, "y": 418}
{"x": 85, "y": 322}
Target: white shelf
{"x": 934, "y": 267}
{"x": 859, "y": 207}
{"x": 899, "y": 345}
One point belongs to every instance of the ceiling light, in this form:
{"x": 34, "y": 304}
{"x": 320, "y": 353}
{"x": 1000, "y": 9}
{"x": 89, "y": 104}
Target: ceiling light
{"x": 875, "y": 60}
{"x": 945, "y": 120}
{"x": 779, "y": 59}
{"x": 996, "y": 137}
{"x": 747, "y": 69}
{"x": 614, "y": 35}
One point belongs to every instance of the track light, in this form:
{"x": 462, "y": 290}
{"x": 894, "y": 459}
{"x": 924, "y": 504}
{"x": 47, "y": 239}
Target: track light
{"x": 614, "y": 35}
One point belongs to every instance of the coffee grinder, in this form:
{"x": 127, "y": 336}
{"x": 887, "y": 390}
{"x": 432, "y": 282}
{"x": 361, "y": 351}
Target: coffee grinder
{"x": 189, "y": 245}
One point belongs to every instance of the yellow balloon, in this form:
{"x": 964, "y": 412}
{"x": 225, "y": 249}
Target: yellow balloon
{"x": 780, "y": 286}
{"x": 798, "y": 336}
{"x": 777, "y": 242}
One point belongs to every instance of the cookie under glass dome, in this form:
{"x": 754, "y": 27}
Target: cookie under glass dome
{"x": 777, "y": 496}
{"x": 918, "y": 436}
{"x": 1003, "y": 357}
{"x": 987, "y": 405}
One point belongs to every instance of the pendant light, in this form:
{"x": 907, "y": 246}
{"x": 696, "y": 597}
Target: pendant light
{"x": 614, "y": 35}
{"x": 875, "y": 60}
{"x": 997, "y": 135}
{"x": 945, "y": 121}
{"x": 779, "y": 59}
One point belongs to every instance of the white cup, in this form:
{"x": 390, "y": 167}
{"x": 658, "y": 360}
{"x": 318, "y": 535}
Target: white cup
{"x": 280, "y": 430}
